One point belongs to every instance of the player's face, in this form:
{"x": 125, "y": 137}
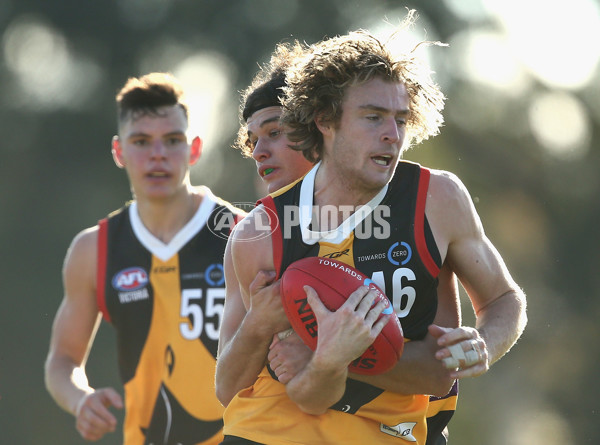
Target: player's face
{"x": 364, "y": 147}
{"x": 277, "y": 164}
{"x": 154, "y": 150}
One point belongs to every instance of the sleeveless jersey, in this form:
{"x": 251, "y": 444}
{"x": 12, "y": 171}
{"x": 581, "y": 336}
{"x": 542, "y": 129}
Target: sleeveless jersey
{"x": 388, "y": 240}
{"x": 165, "y": 302}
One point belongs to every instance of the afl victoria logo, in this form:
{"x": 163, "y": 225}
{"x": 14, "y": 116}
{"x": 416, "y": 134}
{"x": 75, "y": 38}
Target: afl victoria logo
{"x": 130, "y": 279}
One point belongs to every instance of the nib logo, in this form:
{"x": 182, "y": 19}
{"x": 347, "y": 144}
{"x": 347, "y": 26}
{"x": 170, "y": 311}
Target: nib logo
{"x": 402, "y": 430}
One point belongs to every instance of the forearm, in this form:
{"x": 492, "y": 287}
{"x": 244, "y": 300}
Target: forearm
{"x": 317, "y": 386}
{"x": 241, "y": 360}
{"x": 417, "y": 372}
{"x": 66, "y": 382}
{"x": 502, "y": 322}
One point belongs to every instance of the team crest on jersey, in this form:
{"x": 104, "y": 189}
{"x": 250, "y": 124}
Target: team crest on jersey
{"x": 130, "y": 279}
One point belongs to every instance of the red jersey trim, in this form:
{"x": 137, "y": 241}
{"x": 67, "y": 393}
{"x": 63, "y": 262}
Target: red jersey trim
{"x": 101, "y": 268}
{"x": 424, "y": 253}
{"x": 276, "y": 236}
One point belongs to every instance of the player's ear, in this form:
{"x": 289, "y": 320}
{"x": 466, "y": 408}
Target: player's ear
{"x": 117, "y": 151}
{"x": 323, "y": 125}
{"x": 195, "y": 150}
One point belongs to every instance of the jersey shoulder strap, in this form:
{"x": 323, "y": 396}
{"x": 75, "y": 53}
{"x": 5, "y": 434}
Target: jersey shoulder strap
{"x": 420, "y": 238}
{"x": 101, "y": 267}
{"x": 276, "y": 235}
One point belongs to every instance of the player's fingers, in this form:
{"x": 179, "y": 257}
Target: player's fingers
{"x": 93, "y": 412}
{"x": 315, "y": 302}
{"x": 457, "y": 335}
{"x": 370, "y": 305}
{"x": 377, "y": 308}
{"x": 274, "y": 353}
{"x": 106, "y": 398}
{"x": 103, "y": 419}
{"x": 464, "y": 355}
{"x": 284, "y": 378}
{"x": 437, "y": 331}
{"x": 88, "y": 432}
{"x": 91, "y": 425}
{"x": 262, "y": 279}
{"x": 283, "y": 375}
{"x": 284, "y": 334}
{"x": 110, "y": 397}
{"x": 472, "y": 371}
{"x": 274, "y": 342}
{"x": 280, "y": 337}
{"x": 274, "y": 362}
{"x": 380, "y": 324}
{"x": 457, "y": 356}
{"x": 356, "y": 298}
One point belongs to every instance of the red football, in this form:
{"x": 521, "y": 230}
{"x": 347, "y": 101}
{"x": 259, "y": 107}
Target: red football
{"x": 334, "y": 281}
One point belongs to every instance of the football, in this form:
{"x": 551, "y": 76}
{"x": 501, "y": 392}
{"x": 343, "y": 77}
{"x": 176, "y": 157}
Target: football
{"x": 334, "y": 281}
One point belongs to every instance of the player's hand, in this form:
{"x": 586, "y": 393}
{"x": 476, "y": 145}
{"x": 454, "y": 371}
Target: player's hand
{"x": 462, "y": 349}
{"x": 265, "y": 302}
{"x": 288, "y": 355}
{"x": 93, "y": 417}
{"x": 346, "y": 333}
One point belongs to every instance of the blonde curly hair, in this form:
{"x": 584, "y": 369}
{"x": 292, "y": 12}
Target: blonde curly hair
{"x": 317, "y": 82}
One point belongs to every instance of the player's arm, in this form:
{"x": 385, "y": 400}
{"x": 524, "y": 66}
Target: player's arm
{"x": 418, "y": 371}
{"x": 448, "y": 313}
{"x": 253, "y": 311}
{"x": 73, "y": 331}
{"x": 344, "y": 335}
{"x": 498, "y": 302}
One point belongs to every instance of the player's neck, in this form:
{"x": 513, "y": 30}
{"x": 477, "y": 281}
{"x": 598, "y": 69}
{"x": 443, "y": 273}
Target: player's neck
{"x": 329, "y": 194}
{"x": 338, "y": 191}
{"x": 165, "y": 218}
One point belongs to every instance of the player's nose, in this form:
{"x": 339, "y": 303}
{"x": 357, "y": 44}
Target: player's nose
{"x": 391, "y": 132}
{"x": 261, "y": 151}
{"x": 158, "y": 149}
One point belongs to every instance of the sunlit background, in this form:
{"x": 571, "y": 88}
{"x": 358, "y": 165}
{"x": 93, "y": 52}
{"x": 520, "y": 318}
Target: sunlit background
{"x": 522, "y": 79}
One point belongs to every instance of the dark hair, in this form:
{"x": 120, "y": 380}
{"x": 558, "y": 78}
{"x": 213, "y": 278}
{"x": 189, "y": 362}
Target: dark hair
{"x": 144, "y": 95}
{"x": 266, "y": 90}
{"x": 266, "y": 95}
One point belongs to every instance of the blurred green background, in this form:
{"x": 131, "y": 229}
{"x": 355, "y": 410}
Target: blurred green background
{"x": 522, "y": 131}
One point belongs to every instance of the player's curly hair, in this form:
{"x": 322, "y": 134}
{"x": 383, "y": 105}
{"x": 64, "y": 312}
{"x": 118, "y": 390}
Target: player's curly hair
{"x": 317, "y": 84}
{"x": 266, "y": 89}
{"x": 144, "y": 95}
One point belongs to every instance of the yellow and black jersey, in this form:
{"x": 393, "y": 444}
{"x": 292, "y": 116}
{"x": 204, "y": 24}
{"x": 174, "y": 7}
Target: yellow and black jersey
{"x": 166, "y": 302}
{"x": 389, "y": 240}
{"x": 439, "y": 413}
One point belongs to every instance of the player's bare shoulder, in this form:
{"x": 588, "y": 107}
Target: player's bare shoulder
{"x": 81, "y": 258}
{"x": 251, "y": 238}
{"x": 450, "y": 209}
{"x": 85, "y": 240}
{"x": 254, "y": 227}
{"x": 446, "y": 188}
